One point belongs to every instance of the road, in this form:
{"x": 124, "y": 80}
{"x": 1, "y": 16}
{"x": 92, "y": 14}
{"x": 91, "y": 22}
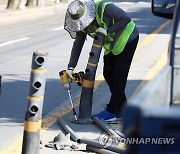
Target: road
{"x": 18, "y": 40}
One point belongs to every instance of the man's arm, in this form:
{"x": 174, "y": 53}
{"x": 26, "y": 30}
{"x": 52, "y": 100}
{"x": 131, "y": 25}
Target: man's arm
{"x": 120, "y": 17}
{"x": 76, "y": 49}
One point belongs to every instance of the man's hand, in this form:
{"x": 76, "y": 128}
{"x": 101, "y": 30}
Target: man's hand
{"x": 102, "y": 30}
{"x": 79, "y": 78}
{"x": 70, "y": 72}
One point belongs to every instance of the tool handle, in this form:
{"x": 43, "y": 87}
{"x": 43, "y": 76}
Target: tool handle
{"x": 75, "y": 115}
{"x": 71, "y": 102}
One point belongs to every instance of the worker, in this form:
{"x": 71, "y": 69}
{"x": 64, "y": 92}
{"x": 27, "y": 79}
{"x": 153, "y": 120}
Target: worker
{"x": 86, "y": 17}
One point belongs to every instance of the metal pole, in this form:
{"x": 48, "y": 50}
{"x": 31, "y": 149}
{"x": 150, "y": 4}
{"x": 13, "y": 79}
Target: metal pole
{"x": 73, "y": 108}
{"x": 113, "y": 129}
{"x": 90, "y": 142}
{"x": 85, "y": 106}
{"x": 0, "y": 84}
{"x": 98, "y": 150}
{"x": 68, "y": 129}
{"x": 32, "y": 123}
{"x": 97, "y": 144}
{"x": 103, "y": 126}
{"x": 174, "y": 58}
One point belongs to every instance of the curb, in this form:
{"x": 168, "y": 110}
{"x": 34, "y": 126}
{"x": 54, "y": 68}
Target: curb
{"x": 29, "y": 12}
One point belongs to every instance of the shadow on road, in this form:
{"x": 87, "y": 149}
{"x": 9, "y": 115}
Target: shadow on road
{"x": 14, "y": 98}
{"x": 13, "y": 107}
{"x": 101, "y": 97}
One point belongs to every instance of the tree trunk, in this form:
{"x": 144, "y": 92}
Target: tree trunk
{"x": 10, "y": 5}
{"x": 40, "y": 3}
{"x": 21, "y": 5}
{"x": 29, "y": 3}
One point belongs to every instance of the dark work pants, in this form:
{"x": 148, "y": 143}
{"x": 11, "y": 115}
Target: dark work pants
{"x": 116, "y": 69}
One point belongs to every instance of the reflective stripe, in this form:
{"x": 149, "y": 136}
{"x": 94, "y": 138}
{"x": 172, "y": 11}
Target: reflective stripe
{"x": 91, "y": 64}
{"x": 97, "y": 12}
{"x": 122, "y": 38}
{"x": 32, "y": 98}
{"x": 31, "y": 126}
{"x": 102, "y": 14}
{"x": 97, "y": 45}
{"x": 106, "y": 52}
{"x": 88, "y": 83}
{"x": 38, "y": 70}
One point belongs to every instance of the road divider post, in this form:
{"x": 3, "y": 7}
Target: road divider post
{"x": 33, "y": 116}
{"x": 85, "y": 106}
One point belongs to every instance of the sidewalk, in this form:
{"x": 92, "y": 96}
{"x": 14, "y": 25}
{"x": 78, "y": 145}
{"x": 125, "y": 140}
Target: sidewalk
{"x": 49, "y": 8}
{"x": 89, "y": 131}
{"x": 3, "y": 4}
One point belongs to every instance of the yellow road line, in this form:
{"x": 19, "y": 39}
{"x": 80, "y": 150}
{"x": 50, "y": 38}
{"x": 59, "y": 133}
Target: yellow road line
{"x": 154, "y": 70}
{"x": 152, "y": 35}
{"x": 16, "y": 146}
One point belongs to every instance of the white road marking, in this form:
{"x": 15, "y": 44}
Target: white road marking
{"x": 14, "y": 41}
{"x": 25, "y": 38}
{"x": 59, "y": 28}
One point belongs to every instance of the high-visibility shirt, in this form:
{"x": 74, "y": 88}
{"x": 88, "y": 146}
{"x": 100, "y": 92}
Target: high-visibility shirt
{"x": 115, "y": 42}
{"x": 111, "y": 11}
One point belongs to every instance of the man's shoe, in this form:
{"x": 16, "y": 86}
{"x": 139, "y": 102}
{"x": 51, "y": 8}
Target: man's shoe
{"x": 106, "y": 115}
{"x": 118, "y": 115}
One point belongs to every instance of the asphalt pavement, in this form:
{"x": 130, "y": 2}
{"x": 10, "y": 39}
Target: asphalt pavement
{"x": 50, "y": 126}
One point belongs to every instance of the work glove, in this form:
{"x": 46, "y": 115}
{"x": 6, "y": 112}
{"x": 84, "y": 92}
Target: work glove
{"x": 79, "y": 78}
{"x": 102, "y": 30}
{"x": 70, "y": 72}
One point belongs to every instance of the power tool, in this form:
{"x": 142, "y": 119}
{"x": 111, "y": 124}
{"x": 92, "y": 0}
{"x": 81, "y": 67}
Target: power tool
{"x": 66, "y": 82}
{"x": 78, "y": 78}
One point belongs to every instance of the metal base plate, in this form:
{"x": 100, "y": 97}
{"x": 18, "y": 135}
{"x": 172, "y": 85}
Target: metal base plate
{"x": 83, "y": 121}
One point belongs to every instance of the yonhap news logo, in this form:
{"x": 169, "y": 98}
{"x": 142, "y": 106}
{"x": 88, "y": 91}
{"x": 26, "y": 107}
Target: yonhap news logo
{"x": 106, "y": 140}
